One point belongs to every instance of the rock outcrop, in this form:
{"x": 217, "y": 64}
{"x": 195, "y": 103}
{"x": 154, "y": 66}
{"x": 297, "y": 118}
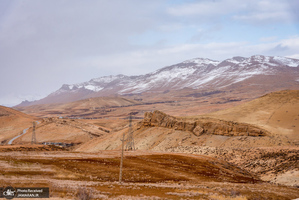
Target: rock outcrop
{"x": 200, "y": 126}
{"x": 277, "y": 165}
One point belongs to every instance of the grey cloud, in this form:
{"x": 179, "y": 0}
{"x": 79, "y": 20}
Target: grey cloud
{"x": 293, "y": 6}
{"x": 247, "y": 11}
{"x": 265, "y": 12}
{"x": 47, "y": 43}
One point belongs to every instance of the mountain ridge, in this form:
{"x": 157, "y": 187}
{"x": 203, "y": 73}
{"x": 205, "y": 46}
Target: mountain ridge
{"x": 197, "y": 73}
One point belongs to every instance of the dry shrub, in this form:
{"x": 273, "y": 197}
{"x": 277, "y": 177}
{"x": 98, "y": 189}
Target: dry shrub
{"x": 234, "y": 193}
{"x": 83, "y": 194}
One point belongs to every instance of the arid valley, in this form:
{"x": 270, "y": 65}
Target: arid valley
{"x": 188, "y": 148}
{"x": 149, "y": 100}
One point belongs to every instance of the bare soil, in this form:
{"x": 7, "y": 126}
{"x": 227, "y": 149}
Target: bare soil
{"x": 146, "y": 175}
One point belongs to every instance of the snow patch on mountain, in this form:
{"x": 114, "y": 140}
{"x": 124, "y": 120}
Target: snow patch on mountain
{"x": 202, "y": 61}
{"x": 93, "y": 88}
{"x": 194, "y": 73}
{"x": 176, "y": 72}
{"x": 259, "y": 58}
{"x": 233, "y": 61}
{"x": 249, "y": 73}
{"x": 107, "y": 79}
{"x": 287, "y": 61}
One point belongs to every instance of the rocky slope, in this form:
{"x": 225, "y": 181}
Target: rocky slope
{"x": 270, "y": 156}
{"x": 277, "y": 112}
{"x": 204, "y": 74}
{"x": 200, "y": 126}
{"x": 278, "y": 165}
{"x": 159, "y": 131}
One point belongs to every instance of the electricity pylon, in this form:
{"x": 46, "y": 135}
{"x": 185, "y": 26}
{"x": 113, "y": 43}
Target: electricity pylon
{"x": 130, "y": 146}
{"x": 33, "y": 140}
{"x": 122, "y": 158}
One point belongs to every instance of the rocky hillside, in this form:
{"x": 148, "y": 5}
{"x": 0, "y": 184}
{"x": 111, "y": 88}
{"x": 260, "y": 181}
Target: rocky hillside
{"x": 200, "y": 126}
{"x": 159, "y": 131}
{"x": 278, "y": 165}
{"x": 277, "y": 112}
{"x": 271, "y": 156}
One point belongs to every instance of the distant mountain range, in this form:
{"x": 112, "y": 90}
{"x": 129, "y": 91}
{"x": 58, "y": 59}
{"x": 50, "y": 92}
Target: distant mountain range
{"x": 199, "y": 73}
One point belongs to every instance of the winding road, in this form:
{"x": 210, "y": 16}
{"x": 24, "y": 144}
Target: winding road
{"x": 24, "y": 131}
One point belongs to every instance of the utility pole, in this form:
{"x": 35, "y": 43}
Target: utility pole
{"x": 33, "y": 140}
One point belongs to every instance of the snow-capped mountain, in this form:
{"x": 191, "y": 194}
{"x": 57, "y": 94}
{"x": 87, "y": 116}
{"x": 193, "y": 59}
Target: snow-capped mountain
{"x": 172, "y": 77}
{"x": 198, "y": 73}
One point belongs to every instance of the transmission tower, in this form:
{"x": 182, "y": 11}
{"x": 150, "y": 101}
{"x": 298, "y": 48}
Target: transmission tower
{"x": 122, "y": 158}
{"x": 130, "y": 146}
{"x": 33, "y": 140}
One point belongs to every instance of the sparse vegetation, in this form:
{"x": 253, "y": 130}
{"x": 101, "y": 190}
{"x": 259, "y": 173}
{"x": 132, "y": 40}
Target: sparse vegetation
{"x": 83, "y": 194}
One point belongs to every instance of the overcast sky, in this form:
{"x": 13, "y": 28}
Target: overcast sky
{"x": 46, "y": 43}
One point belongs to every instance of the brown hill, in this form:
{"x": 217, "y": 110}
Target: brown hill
{"x": 236, "y": 137}
{"x": 253, "y": 124}
{"x": 277, "y": 112}
{"x": 57, "y": 130}
{"x": 159, "y": 131}
{"x": 75, "y": 131}
{"x": 13, "y": 122}
{"x": 260, "y": 135}
{"x": 82, "y": 108}
{"x": 185, "y": 102}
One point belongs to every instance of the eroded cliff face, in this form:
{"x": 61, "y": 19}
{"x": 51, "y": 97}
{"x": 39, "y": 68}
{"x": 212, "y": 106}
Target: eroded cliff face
{"x": 201, "y": 126}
